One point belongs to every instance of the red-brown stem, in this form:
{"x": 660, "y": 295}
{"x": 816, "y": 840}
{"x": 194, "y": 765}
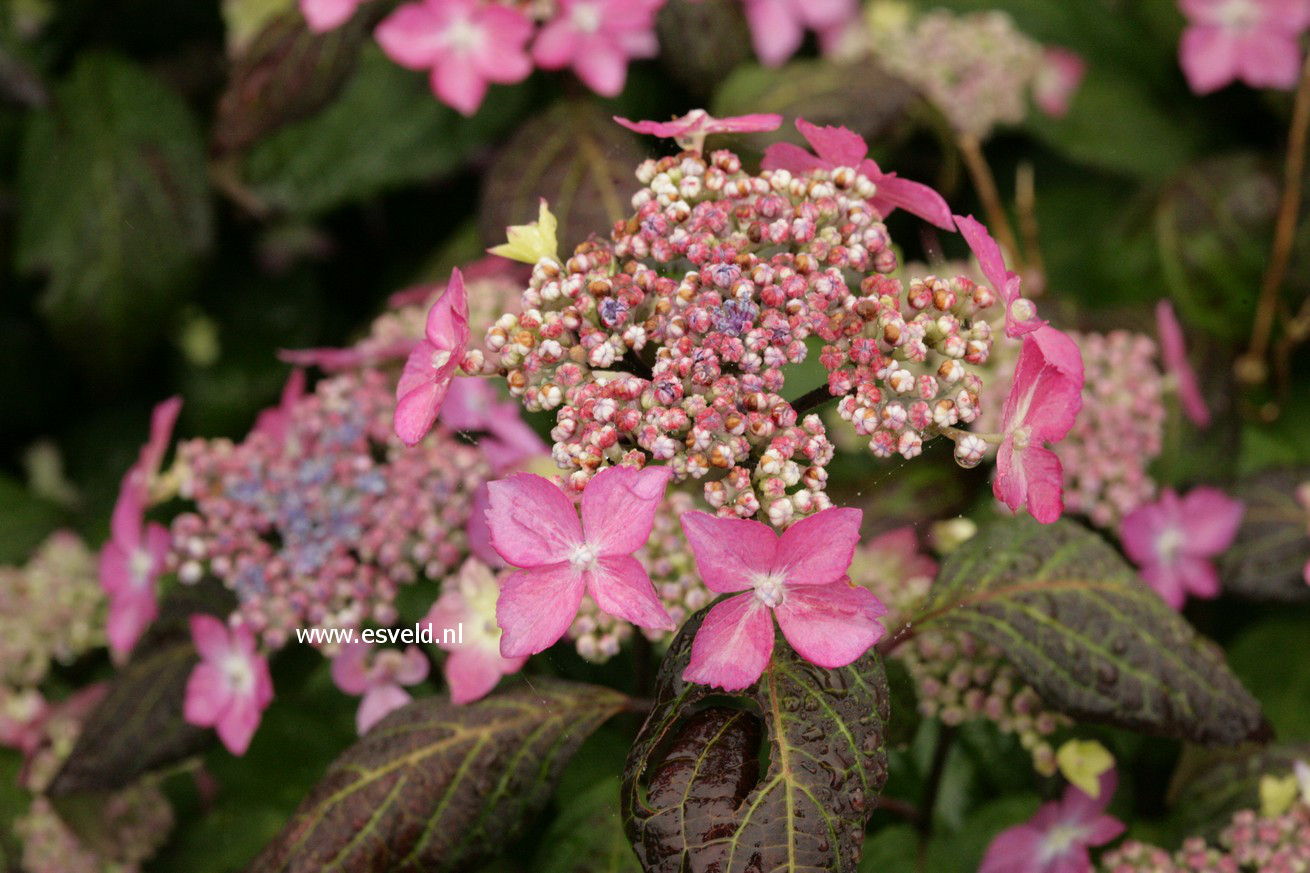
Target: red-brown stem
{"x": 1253, "y": 366}
{"x": 985, "y": 184}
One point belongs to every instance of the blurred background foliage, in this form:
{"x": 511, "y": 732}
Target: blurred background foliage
{"x": 186, "y": 188}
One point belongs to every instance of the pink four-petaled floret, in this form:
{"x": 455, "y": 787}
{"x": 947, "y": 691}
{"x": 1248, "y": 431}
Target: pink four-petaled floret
{"x": 1173, "y": 540}
{"x": 231, "y": 687}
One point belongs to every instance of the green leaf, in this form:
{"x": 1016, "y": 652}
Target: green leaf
{"x": 138, "y": 727}
{"x": 287, "y": 72}
{"x": 438, "y": 787}
{"x": 694, "y": 797}
{"x": 25, "y": 522}
{"x": 386, "y": 130}
{"x": 1088, "y": 635}
{"x": 1209, "y": 788}
{"x": 587, "y": 836}
{"x": 576, "y": 157}
{"x": 962, "y": 851}
{"x": 1282, "y": 684}
{"x": 860, "y": 96}
{"x": 891, "y": 850}
{"x": 1267, "y": 561}
{"x": 113, "y": 208}
{"x": 701, "y": 41}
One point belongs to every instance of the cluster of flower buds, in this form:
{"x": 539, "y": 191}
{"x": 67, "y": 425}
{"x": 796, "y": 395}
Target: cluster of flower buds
{"x": 51, "y": 610}
{"x": 645, "y": 360}
{"x": 1252, "y": 842}
{"x": 318, "y": 524}
{"x": 668, "y": 559}
{"x": 958, "y": 678}
{"x": 138, "y": 819}
{"x": 977, "y": 69}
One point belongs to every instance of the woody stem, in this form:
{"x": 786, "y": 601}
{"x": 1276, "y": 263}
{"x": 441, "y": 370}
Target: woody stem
{"x": 985, "y": 184}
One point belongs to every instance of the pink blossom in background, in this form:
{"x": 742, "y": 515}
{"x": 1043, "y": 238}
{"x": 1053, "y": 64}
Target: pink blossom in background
{"x": 778, "y": 26}
{"x": 839, "y": 147}
{"x": 1057, "y": 838}
{"x": 1256, "y": 41}
{"x": 1020, "y": 313}
{"x": 690, "y": 130}
{"x": 466, "y": 44}
{"x": 129, "y": 565}
{"x": 431, "y": 366}
{"x": 1043, "y": 402}
{"x": 1173, "y": 350}
{"x": 799, "y": 577}
{"x": 230, "y": 688}
{"x": 273, "y": 422}
{"x": 534, "y": 527}
{"x": 475, "y": 664}
{"x": 1058, "y": 79}
{"x": 597, "y": 38}
{"x": 1173, "y": 540}
{"x": 474, "y": 405}
{"x": 377, "y": 674}
{"x": 325, "y": 15}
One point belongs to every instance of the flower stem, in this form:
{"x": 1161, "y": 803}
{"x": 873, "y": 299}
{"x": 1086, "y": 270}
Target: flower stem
{"x": 985, "y": 184}
{"x": 956, "y": 433}
{"x": 936, "y": 771}
{"x": 811, "y": 400}
{"x": 1253, "y": 367}
{"x": 1025, "y": 203}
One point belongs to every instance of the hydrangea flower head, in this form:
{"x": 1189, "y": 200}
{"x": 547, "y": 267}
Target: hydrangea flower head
{"x": 778, "y": 26}
{"x": 1020, "y": 313}
{"x": 130, "y": 563}
{"x": 1173, "y": 540}
{"x": 1174, "y": 352}
{"x": 1043, "y": 402}
{"x": 377, "y": 674}
{"x": 534, "y": 527}
{"x": 231, "y": 687}
{"x": 690, "y": 130}
{"x": 474, "y": 664}
{"x": 1057, "y": 838}
{"x": 799, "y": 577}
{"x": 597, "y": 38}
{"x": 466, "y": 44}
{"x": 432, "y": 364}
{"x": 1252, "y": 40}
{"x": 838, "y": 147}
{"x": 325, "y": 15}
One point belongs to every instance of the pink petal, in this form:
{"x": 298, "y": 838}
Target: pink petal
{"x": 413, "y": 37}
{"x": 210, "y": 637}
{"x": 1061, "y": 73}
{"x": 1173, "y": 350}
{"x": 733, "y": 644}
{"x": 987, "y": 251}
{"x": 457, "y": 82}
{"x": 1268, "y": 58}
{"x": 1046, "y": 394}
{"x": 532, "y": 521}
{"x": 1014, "y": 850}
{"x": 1209, "y": 58}
{"x": 236, "y": 727}
{"x": 915, "y": 198}
{"x": 1210, "y": 520}
{"x": 471, "y": 673}
{"x": 1140, "y": 531}
{"x": 830, "y": 625}
{"x": 478, "y": 530}
{"x": 556, "y": 45}
{"x": 115, "y": 568}
{"x": 349, "y": 670}
{"x": 416, "y": 410}
{"x": 821, "y": 14}
{"x": 775, "y": 31}
{"x": 325, "y": 15}
{"x": 162, "y": 420}
{"x": 207, "y": 695}
{"x": 837, "y": 146}
{"x": 792, "y": 158}
{"x": 504, "y": 58}
{"x": 130, "y": 613}
{"x": 377, "y": 704}
{"x": 1082, "y": 810}
{"x": 536, "y": 607}
{"x": 621, "y": 587}
{"x": 414, "y": 668}
{"x": 729, "y": 552}
{"x": 1032, "y": 477}
{"x": 818, "y": 550}
{"x": 619, "y": 506}
{"x": 128, "y": 518}
{"x": 1167, "y": 581}
{"x": 512, "y": 440}
{"x": 1198, "y": 576}
{"x": 602, "y": 68}
{"x": 468, "y": 405}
